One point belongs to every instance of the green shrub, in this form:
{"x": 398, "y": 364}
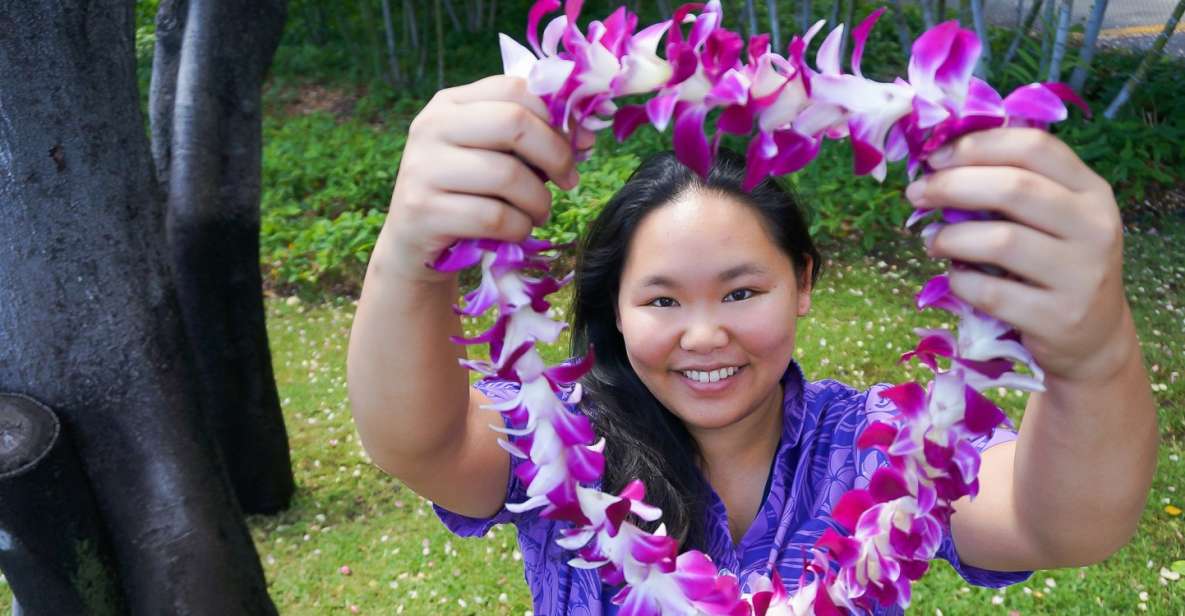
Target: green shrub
{"x": 327, "y": 185}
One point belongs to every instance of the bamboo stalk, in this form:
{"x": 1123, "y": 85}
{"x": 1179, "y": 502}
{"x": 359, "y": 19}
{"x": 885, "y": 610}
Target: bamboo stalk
{"x": 1153, "y": 53}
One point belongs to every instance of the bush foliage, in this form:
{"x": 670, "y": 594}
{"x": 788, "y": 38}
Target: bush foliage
{"x": 328, "y": 174}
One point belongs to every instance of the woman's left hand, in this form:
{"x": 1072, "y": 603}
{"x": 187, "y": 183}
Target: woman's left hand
{"x": 1061, "y": 238}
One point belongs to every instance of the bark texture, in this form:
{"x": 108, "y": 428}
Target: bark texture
{"x": 89, "y": 319}
{"x": 57, "y": 561}
{"x": 207, "y": 139}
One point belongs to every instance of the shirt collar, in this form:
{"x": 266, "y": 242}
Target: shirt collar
{"x": 793, "y": 404}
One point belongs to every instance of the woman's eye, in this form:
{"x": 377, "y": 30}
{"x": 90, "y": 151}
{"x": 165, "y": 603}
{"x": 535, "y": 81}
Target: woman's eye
{"x": 738, "y": 295}
{"x": 662, "y": 302}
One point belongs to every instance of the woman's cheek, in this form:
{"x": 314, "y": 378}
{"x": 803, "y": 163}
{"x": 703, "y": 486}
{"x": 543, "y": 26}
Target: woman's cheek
{"x": 766, "y": 331}
{"x": 647, "y": 338}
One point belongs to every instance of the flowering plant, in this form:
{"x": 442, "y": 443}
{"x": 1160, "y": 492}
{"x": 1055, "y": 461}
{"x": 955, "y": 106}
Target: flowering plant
{"x": 884, "y": 536}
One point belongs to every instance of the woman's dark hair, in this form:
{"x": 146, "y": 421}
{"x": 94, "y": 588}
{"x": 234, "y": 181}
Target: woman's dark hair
{"x": 644, "y": 439}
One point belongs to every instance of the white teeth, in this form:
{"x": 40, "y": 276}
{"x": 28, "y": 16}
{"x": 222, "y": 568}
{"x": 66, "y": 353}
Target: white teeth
{"x": 710, "y": 377}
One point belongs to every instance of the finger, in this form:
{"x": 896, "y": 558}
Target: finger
{"x": 474, "y": 216}
{"x": 510, "y": 127}
{"x": 1029, "y": 148}
{"x": 583, "y": 138}
{"x": 1025, "y": 307}
{"x": 1018, "y": 194}
{"x": 499, "y": 88}
{"x": 498, "y": 175}
{"x": 1023, "y": 251}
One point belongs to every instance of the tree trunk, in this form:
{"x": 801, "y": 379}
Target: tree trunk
{"x": 372, "y": 41}
{"x": 452, "y": 15}
{"x": 492, "y": 13}
{"x": 940, "y": 11}
{"x": 212, "y": 177}
{"x": 928, "y": 13}
{"x": 439, "y": 18}
{"x": 775, "y": 30}
{"x": 751, "y": 18}
{"x": 1059, "y": 41}
{"x": 1021, "y": 33}
{"x": 981, "y": 68}
{"x": 392, "y": 56}
{"x": 1150, "y": 56}
{"x": 664, "y": 9}
{"x": 162, "y": 89}
{"x": 903, "y": 36}
{"x": 1089, "y": 42}
{"x": 805, "y": 16}
{"x": 1048, "y": 26}
{"x": 849, "y": 20}
{"x": 833, "y": 19}
{"x": 89, "y": 319}
{"x": 55, "y": 553}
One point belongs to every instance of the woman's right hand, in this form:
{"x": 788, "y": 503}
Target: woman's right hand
{"x": 467, "y": 172}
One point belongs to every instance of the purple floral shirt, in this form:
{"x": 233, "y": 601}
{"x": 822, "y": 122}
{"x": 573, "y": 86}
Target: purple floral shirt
{"x": 816, "y": 463}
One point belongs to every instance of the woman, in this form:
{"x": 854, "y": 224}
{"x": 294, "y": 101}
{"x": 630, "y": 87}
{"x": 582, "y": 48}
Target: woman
{"x": 690, "y": 290}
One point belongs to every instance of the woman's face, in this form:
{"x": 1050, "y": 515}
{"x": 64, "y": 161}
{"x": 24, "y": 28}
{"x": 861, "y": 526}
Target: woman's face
{"x": 706, "y": 295}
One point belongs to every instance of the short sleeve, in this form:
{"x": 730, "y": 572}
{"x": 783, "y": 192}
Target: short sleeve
{"x": 879, "y": 408}
{"x": 948, "y": 552}
{"x": 465, "y": 526}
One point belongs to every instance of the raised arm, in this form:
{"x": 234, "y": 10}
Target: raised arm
{"x": 1070, "y": 490}
{"x": 464, "y": 174}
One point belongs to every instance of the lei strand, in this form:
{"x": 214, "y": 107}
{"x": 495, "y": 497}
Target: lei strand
{"x": 885, "y": 535}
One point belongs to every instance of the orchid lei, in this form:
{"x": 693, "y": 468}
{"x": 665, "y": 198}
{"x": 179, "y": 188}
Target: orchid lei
{"x": 884, "y": 536}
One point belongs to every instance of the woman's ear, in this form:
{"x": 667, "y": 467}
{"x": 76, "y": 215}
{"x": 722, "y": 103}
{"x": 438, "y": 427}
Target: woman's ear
{"x": 805, "y": 287}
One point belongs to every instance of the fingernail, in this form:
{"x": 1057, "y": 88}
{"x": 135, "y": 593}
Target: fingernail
{"x": 941, "y": 156}
{"x": 914, "y": 191}
{"x": 928, "y": 240}
{"x": 572, "y": 179}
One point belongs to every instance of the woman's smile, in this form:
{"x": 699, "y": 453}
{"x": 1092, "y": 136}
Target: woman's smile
{"x": 712, "y": 382}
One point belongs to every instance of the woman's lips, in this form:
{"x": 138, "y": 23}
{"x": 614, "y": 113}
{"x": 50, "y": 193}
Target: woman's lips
{"x": 712, "y": 388}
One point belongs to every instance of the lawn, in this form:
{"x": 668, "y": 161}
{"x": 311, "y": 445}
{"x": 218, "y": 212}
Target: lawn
{"x": 356, "y": 541}
{"x": 401, "y": 560}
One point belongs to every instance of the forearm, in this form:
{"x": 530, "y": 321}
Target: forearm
{"x": 407, "y": 392}
{"x": 1085, "y": 458}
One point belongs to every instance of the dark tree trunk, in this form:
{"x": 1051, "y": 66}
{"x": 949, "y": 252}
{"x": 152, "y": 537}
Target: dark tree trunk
{"x": 89, "y": 319}
{"x": 210, "y": 167}
{"x": 58, "y": 561}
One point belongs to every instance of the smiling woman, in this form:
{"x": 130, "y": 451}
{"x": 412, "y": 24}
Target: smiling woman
{"x": 679, "y": 274}
{"x": 801, "y": 496}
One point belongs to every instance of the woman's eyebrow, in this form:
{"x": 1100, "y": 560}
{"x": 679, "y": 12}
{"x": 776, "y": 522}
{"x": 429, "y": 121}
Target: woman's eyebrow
{"x": 741, "y": 270}
{"x": 659, "y": 280}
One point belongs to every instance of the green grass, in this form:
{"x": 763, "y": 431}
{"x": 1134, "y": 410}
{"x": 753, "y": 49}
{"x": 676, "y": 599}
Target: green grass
{"x": 862, "y": 304}
{"x": 401, "y": 560}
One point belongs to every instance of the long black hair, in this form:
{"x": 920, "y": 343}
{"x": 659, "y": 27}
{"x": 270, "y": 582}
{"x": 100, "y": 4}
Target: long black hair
{"x": 645, "y": 440}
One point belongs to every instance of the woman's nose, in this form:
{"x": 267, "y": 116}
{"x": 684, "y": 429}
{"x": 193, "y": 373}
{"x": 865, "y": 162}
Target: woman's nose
{"x": 703, "y": 334}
